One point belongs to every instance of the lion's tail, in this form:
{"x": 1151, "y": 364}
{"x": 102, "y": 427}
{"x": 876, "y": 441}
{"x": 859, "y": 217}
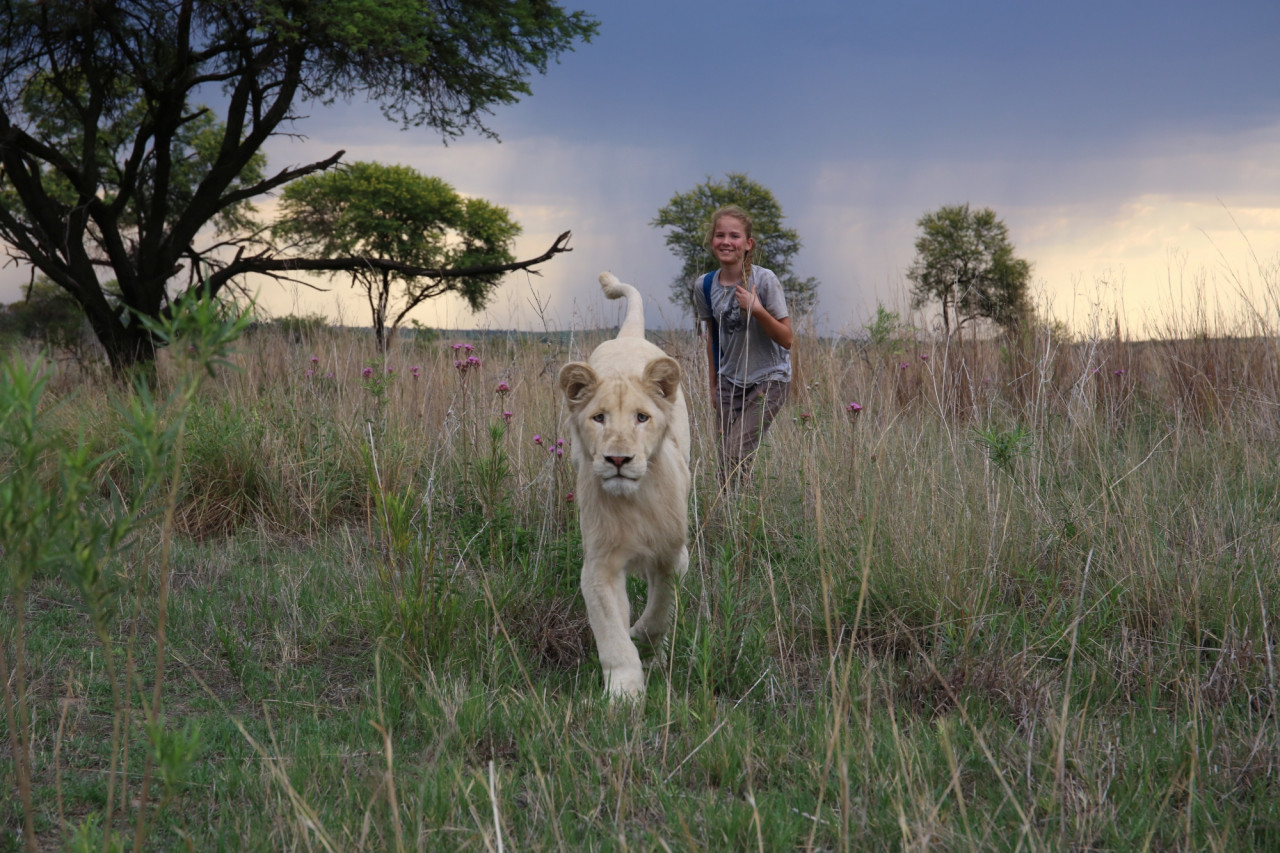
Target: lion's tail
{"x": 633, "y": 323}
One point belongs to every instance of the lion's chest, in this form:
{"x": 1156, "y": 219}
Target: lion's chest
{"x": 651, "y": 523}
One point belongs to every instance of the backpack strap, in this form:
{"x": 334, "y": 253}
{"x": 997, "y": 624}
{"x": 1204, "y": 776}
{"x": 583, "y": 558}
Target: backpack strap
{"x": 712, "y": 325}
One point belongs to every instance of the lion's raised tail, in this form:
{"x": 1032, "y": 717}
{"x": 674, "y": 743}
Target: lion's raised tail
{"x": 633, "y": 324}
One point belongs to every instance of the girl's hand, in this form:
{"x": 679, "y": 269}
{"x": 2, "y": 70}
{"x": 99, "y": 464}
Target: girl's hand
{"x": 746, "y": 298}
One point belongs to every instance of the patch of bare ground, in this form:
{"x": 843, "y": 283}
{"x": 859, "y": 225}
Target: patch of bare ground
{"x": 555, "y": 630}
{"x": 1011, "y": 685}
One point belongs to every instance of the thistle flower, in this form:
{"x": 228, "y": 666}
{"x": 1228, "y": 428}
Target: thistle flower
{"x": 315, "y": 359}
{"x": 503, "y": 389}
{"x": 568, "y": 498}
{"x": 853, "y": 409}
{"x": 506, "y": 417}
{"x": 537, "y": 439}
{"x": 413, "y": 371}
{"x": 367, "y": 373}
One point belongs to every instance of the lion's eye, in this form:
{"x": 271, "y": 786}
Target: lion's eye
{"x": 641, "y": 417}
{"x": 598, "y": 417}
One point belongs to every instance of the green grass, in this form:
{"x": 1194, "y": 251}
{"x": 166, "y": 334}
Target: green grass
{"x": 982, "y": 614}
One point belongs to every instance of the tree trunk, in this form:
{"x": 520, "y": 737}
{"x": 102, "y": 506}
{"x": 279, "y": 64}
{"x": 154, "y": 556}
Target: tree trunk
{"x": 128, "y": 348}
{"x": 380, "y": 313}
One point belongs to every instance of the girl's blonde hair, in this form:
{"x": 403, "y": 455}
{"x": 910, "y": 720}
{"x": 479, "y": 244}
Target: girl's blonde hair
{"x": 748, "y": 228}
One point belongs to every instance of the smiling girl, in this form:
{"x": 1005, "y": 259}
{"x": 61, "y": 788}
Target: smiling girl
{"x": 748, "y": 340}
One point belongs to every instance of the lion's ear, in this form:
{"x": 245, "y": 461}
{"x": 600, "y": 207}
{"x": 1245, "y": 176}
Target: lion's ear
{"x": 578, "y": 382}
{"x": 664, "y": 374}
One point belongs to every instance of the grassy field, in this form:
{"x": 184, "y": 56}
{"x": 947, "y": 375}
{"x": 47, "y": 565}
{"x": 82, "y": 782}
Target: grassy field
{"x": 1016, "y": 601}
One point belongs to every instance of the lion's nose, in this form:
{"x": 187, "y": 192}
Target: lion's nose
{"x": 618, "y": 461}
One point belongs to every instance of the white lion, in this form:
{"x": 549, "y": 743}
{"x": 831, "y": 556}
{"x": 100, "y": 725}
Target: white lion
{"x": 630, "y": 431}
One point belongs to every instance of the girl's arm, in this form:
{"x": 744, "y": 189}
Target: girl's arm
{"x": 779, "y": 331}
{"x": 711, "y": 362}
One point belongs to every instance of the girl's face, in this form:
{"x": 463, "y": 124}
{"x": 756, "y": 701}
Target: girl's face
{"x": 729, "y": 240}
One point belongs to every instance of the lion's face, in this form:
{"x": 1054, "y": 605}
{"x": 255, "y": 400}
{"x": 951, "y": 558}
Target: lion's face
{"x": 620, "y": 423}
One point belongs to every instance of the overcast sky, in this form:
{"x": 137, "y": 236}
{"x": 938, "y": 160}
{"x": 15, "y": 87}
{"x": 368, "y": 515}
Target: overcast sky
{"x": 1129, "y": 146}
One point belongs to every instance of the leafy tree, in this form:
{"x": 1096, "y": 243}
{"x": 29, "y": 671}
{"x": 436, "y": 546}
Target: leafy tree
{"x": 688, "y": 214}
{"x": 965, "y": 261}
{"x": 131, "y": 131}
{"x": 395, "y": 212}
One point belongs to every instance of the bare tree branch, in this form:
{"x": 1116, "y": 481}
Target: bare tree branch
{"x": 268, "y": 265}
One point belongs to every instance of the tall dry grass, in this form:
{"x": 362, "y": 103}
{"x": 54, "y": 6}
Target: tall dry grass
{"x": 1023, "y": 595}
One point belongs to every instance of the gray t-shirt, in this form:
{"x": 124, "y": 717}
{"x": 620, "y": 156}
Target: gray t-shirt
{"x": 747, "y": 355}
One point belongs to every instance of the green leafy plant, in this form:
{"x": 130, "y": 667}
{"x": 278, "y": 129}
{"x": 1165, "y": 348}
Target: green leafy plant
{"x": 414, "y": 603}
{"x": 55, "y": 522}
{"x": 1004, "y": 447}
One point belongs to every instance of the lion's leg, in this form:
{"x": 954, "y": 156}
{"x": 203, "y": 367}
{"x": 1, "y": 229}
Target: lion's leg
{"x": 624, "y": 603}
{"x": 654, "y": 622}
{"x": 604, "y": 588}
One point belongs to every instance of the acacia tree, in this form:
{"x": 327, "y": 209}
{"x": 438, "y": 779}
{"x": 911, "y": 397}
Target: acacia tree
{"x": 687, "y": 216}
{"x": 964, "y": 260}
{"x": 131, "y": 130}
{"x": 395, "y": 212}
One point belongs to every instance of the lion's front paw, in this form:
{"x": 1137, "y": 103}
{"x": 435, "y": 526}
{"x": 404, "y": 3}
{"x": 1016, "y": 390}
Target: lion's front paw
{"x": 624, "y": 684}
{"x": 647, "y": 635}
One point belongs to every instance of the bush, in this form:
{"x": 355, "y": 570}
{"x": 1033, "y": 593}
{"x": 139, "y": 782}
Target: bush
{"x": 301, "y": 328}
{"x": 48, "y": 315}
